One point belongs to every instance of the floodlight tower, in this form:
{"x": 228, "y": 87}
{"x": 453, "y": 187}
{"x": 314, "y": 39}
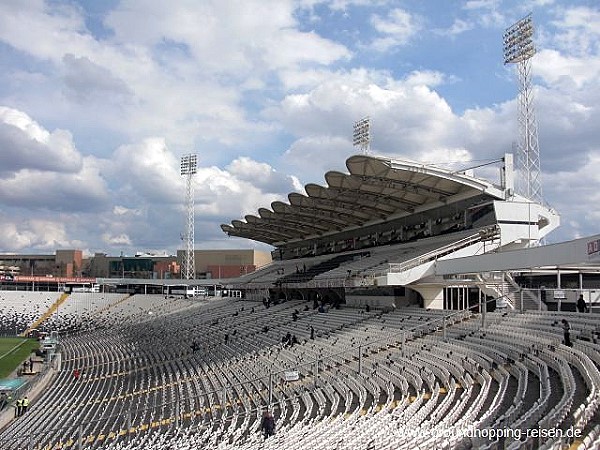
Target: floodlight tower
{"x": 361, "y": 137}
{"x": 188, "y": 170}
{"x": 519, "y": 49}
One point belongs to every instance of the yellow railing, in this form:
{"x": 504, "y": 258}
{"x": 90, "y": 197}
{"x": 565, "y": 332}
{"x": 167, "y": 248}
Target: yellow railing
{"x": 47, "y": 314}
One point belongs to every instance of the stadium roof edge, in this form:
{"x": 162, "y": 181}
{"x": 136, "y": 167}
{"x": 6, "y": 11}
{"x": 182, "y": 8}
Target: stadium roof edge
{"x": 375, "y": 189}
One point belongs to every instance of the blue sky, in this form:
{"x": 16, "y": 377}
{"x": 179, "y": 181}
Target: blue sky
{"x": 99, "y": 100}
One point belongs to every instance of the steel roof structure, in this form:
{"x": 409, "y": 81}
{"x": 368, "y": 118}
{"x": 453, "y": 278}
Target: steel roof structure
{"x": 375, "y": 189}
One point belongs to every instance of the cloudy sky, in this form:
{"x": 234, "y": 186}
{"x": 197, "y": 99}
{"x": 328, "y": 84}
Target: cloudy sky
{"x": 100, "y": 99}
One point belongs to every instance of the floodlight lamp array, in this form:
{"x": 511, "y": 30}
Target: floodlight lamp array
{"x": 362, "y": 133}
{"x": 518, "y": 41}
{"x": 189, "y": 164}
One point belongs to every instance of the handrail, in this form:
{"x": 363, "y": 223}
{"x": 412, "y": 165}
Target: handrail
{"x": 540, "y": 304}
{"x": 441, "y": 251}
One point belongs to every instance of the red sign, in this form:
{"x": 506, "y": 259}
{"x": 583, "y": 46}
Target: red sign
{"x": 20, "y": 278}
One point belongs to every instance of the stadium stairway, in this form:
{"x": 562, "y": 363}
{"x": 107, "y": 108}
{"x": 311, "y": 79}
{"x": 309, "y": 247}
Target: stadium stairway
{"x": 530, "y": 302}
{"x": 62, "y": 299}
{"x": 508, "y": 288}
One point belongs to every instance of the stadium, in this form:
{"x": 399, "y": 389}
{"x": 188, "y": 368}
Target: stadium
{"x": 391, "y": 317}
{"x": 406, "y": 306}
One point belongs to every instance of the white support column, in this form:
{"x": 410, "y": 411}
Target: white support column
{"x": 433, "y": 296}
{"x": 521, "y": 300}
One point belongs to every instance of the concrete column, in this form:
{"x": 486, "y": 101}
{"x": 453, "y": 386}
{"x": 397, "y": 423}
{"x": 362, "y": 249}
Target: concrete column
{"x": 433, "y": 296}
{"x": 483, "y": 311}
{"x": 521, "y": 300}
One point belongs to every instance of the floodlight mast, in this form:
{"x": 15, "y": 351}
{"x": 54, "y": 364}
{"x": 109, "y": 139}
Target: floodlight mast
{"x": 361, "y": 137}
{"x": 188, "y": 170}
{"x": 519, "y": 49}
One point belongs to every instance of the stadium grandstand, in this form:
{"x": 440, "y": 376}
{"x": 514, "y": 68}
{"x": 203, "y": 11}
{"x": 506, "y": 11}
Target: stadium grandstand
{"x": 390, "y": 317}
{"x": 386, "y": 224}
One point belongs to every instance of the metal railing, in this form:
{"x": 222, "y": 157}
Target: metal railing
{"x": 483, "y": 235}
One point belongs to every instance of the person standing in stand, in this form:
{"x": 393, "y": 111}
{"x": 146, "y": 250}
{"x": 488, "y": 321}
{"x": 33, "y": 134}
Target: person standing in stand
{"x": 267, "y": 425}
{"x": 18, "y": 407}
{"x": 567, "y": 333}
{"x": 24, "y": 405}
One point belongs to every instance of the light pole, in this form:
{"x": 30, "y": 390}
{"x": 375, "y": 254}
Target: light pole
{"x": 519, "y": 49}
{"x": 188, "y": 170}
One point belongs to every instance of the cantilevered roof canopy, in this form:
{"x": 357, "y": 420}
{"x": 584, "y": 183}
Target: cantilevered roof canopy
{"x": 375, "y": 189}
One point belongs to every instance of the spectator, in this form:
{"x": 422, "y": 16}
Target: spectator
{"x": 267, "y": 424}
{"x": 567, "y": 333}
{"x": 24, "y": 405}
{"x": 18, "y": 407}
{"x": 581, "y": 305}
